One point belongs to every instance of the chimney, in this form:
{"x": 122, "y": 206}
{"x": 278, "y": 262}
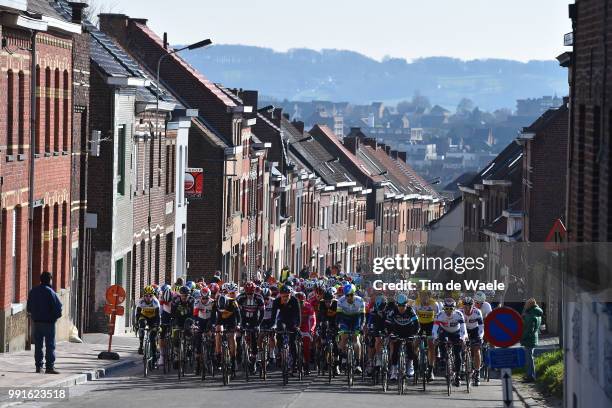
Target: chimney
{"x": 115, "y": 25}
{"x": 286, "y": 116}
{"x": 394, "y": 154}
{"x": 77, "y": 11}
{"x": 299, "y": 125}
{"x": 351, "y": 143}
{"x": 402, "y": 156}
{"x": 381, "y": 146}
{"x": 165, "y": 40}
{"x": 249, "y": 98}
{"x": 368, "y": 141}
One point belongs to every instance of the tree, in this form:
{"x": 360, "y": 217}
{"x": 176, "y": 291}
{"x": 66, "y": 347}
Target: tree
{"x": 420, "y": 101}
{"x": 465, "y": 106}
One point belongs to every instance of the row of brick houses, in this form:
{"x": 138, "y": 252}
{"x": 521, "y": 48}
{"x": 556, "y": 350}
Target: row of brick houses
{"x": 105, "y": 203}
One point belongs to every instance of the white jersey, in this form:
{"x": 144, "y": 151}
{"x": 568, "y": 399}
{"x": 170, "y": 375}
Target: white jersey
{"x": 474, "y": 321}
{"x": 485, "y": 308}
{"x": 204, "y": 308}
{"x": 455, "y": 323}
{"x": 268, "y": 310}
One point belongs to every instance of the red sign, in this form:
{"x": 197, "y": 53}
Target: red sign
{"x": 194, "y": 183}
{"x": 556, "y": 236}
{"x": 503, "y": 327}
{"x": 110, "y": 309}
{"x": 115, "y": 295}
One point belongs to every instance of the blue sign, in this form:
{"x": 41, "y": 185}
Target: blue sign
{"x": 505, "y": 357}
{"x": 503, "y": 327}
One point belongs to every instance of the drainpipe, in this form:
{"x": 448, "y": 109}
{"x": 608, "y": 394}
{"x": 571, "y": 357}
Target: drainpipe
{"x": 31, "y": 175}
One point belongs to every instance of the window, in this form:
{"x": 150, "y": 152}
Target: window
{"x": 119, "y": 271}
{"x": 152, "y": 160}
{"x": 121, "y": 160}
{"x": 47, "y": 93}
{"x": 167, "y": 169}
{"x": 56, "y": 111}
{"x": 21, "y": 101}
{"x": 66, "y": 114}
{"x": 10, "y": 119}
{"x": 15, "y": 255}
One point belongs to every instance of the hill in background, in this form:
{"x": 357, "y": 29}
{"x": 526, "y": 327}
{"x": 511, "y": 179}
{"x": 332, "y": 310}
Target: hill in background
{"x": 337, "y": 75}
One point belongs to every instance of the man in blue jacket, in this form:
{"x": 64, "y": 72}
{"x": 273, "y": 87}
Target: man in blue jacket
{"x": 44, "y": 308}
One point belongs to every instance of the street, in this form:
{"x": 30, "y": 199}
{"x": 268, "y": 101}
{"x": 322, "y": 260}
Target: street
{"x": 128, "y": 388}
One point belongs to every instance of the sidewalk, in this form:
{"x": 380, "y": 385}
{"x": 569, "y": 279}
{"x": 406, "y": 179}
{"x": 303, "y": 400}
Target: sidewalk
{"x": 76, "y": 362}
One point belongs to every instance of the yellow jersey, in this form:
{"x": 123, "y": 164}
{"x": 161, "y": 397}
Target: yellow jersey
{"x": 426, "y": 312}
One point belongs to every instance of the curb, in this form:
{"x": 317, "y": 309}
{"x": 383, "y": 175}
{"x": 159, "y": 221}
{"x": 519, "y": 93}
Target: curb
{"x": 527, "y": 401}
{"x": 81, "y": 378}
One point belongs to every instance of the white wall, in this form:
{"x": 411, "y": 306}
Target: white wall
{"x": 448, "y": 231}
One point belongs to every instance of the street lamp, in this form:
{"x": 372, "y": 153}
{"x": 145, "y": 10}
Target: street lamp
{"x": 194, "y": 46}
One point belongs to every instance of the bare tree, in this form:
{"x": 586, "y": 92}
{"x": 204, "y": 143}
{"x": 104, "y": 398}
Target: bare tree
{"x": 97, "y": 7}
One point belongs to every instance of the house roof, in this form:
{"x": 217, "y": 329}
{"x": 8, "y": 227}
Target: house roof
{"x": 542, "y": 122}
{"x": 44, "y": 7}
{"x": 214, "y": 89}
{"x": 504, "y": 164}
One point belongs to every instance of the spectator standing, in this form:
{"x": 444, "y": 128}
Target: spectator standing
{"x": 44, "y": 308}
{"x": 532, "y": 319}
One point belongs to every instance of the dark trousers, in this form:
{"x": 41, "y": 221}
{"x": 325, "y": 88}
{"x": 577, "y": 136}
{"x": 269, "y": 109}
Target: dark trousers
{"x": 44, "y": 331}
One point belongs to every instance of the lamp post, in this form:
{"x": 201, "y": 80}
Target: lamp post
{"x": 194, "y": 46}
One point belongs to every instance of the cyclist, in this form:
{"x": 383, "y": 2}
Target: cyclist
{"x": 252, "y": 313}
{"x": 481, "y": 303}
{"x": 475, "y": 330}
{"x": 147, "y": 313}
{"x": 268, "y": 321}
{"x": 450, "y": 325}
{"x": 351, "y": 318}
{"x": 287, "y": 310}
{"x": 166, "y": 297}
{"x": 376, "y": 328}
{"x": 182, "y": 313}
{"x": 307, "y": 327}
{"x": 402, "y": 322}
{"x": 326, "y": 317}
{"x": 228, "y": 318}
{"x": 427, "y": 309}
{"x": 205, "y": 314}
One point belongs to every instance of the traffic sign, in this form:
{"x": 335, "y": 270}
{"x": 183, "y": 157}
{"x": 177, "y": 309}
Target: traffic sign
{"x": 505, "y": 357}
{"x": 115, "y": 295}
{"x": 503, "y": 327}
{"x": 110, "y": 309}
{"x": 506, "y": 377}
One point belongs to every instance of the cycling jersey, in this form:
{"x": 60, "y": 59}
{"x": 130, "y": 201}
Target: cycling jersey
{"x": 485, "y": 308}
{"x": 350, "y": 316}
{"x": 473, "y": 321}
{"x": 148, "y": 310}
{"x": 230, "y": 316}
{"x": 251, "y": 308}
{"x": 376, "y": 321}
{"x": 181, "y": 311}
{"x": 426, "y": 311}
{"x": 327, "y": 313}
{"x": 453, "y": 324}
{"x": 204, "y": 309}
{"x": 402, "y": 324}
{"x": 288, "y": 313}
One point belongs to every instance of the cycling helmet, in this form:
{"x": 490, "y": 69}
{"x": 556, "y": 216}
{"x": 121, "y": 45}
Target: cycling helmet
{"x": 380, "y": 302}
{"x": 329, "y": 294}
{"x": 402, "y": 300}
{"x": 349, "y": 289}
{"x": 232, "y": 287}
{"x": 196, "y": 294}
{"x": 449, "y": 302}
{"x": 224, "y": 286}
{"x": 191, "y": 285}
{"x": 309, "y": 285}
{"x": 285, "y": 289}
{"x": 214, "y": 288}
{"x": 249, "y": 288}
{"x": 357, "y": 280}
{"x": 148, "y": 290}
{"x": 205, "y": 292}
{"x": 468, "y": 301}
{"x": 266, "y": 292}
{"x": 274, "y": 290}
{"x": 222, "y": 302}
{"x": 184, "y": 290}
{"x": 480, "y": 297}
{"x": 300, "y": 296}
{"x": 166, "y": 296}
{"x": 165, "y": 287}
{"x": 265, "y": 285}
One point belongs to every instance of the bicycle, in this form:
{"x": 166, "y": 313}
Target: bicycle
{"x": 265, "y": 354}
{"x": 384, "y": 364}
{"x": 179, "y": 352}
{"x": 402, "y": 373}
{"x": 285, "y": 354}
{"x": 206, "y": 355}
{"x": 226, "y": 369}
{"x": 450, "y": 359}
{"x": 167, "y": 350}
{"x": 149, "y": 358}
{"x": 245, "y": 350}
{"x": 299, "y": 355}
{"x": 328, "y": 352}
{"x": 350, "y": 358}
{"x": 467, "y": 365}
{"x": 421, "y": 372}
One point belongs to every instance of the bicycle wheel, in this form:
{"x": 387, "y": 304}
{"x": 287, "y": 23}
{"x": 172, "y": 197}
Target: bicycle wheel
{"x": 227, "y": 370}
{"x": 245, "y": 358}
{"x": 145, "y": 357}
{"x": 350, "y": 356}
{"x": 468, "y": 368}
{"x": 285, "y": 364}
{"x": 423, "y": 367}
{"x": 449, "y": 370}
{"x": 263, "y": 365}
{"x": 179, "y": 359}
{"x": 329, "y": 359}
{"x": 401, "y": 371}
{"x": 299, "y": 357}
{"x": 362, "y": 361}
{"x": 384, "y": 369}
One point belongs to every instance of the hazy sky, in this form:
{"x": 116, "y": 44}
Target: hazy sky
{"x": 466, "y": 29}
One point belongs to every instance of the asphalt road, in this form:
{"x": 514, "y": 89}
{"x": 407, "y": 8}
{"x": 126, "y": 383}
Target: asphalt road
{"x": 128, "y": 388}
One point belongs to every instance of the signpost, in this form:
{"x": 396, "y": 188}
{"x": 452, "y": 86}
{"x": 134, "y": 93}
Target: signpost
{"x": 115, "y": 296}
{"x": 504, "y": 328}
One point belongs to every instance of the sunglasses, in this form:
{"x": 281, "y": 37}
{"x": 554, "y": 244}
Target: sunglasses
{"x": 404, "y": 305}
{"x": 351, "y": 294}
{"x": 148, "y": 295}
{"x": 449, "y": 308}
